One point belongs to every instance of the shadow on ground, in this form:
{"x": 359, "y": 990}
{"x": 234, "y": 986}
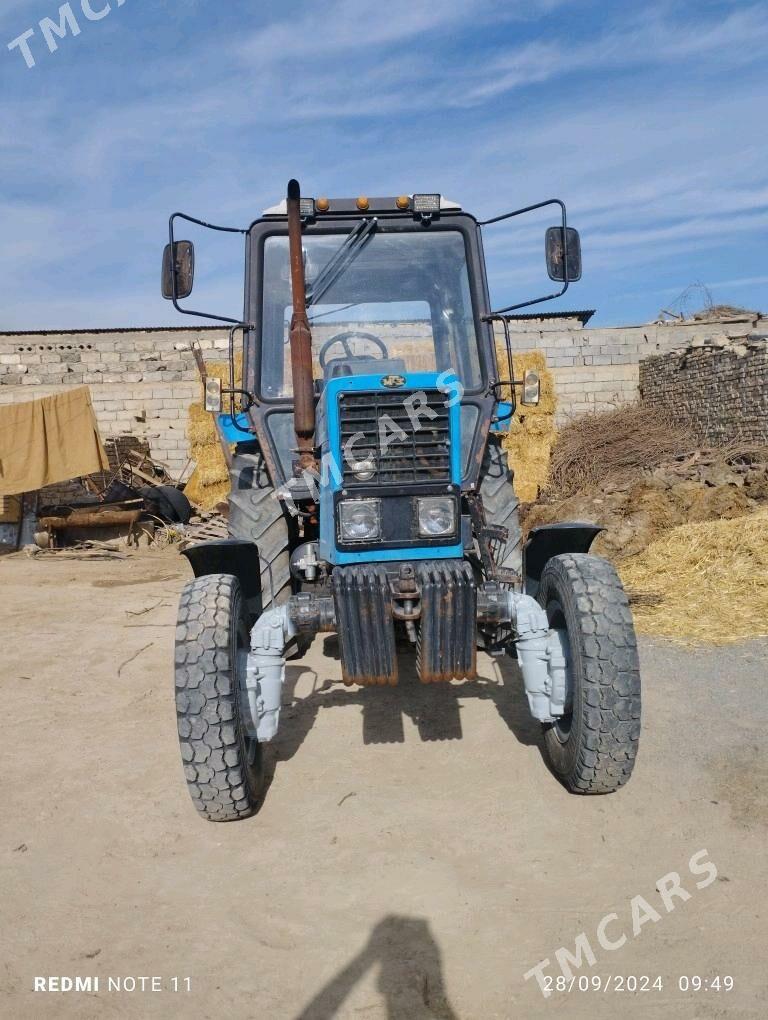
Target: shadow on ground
{"x": 435, "y": 709}
{"x": 410, "y": 974}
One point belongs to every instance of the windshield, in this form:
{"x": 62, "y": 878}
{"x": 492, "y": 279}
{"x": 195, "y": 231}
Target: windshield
{"x": 403, "y": 296}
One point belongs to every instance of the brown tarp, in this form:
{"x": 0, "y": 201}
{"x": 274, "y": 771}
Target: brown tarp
{"x": 49, "y": 440}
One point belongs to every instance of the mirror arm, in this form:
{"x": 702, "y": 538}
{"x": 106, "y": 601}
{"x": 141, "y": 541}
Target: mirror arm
{"x": 501, "y": 312}
{"x": 522, "y": 212}
{"x": 172, "y": 239}
{"x": 250, "y": 400}
{"x": 248, "y": 403}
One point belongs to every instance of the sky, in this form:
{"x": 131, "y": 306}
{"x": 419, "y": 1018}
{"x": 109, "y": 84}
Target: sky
{"x": 648, "y": 120}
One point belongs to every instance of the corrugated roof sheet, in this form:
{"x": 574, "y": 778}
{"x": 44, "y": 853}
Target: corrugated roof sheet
{"x": 584, "y": 316}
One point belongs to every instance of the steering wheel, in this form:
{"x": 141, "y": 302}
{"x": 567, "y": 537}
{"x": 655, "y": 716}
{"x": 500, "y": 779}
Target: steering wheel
{"x": 344, "y": 338}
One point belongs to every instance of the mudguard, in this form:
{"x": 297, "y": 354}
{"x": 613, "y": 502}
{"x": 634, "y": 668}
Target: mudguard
{"x": 228, "y": 556}
{"x": 550, "y": 540}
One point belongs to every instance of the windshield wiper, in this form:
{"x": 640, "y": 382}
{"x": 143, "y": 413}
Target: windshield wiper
{"x": 341, "y": 260}
{"x": 333, "y": 311}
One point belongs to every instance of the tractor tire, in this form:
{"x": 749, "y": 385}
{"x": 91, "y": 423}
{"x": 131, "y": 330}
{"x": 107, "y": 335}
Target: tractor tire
{"x": 256, "y": 516}
{"x": 222, "y": 762}
{"x": 502, "y": 507}
{"x": 593, "y": 748}
{"x": 167, "y": 502}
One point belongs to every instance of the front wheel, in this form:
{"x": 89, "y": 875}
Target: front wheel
{"x": 222, "y": 761}
{"x": 593, "y": 747}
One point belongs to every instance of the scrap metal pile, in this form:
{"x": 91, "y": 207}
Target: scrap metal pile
{"x": 130, "y": 502}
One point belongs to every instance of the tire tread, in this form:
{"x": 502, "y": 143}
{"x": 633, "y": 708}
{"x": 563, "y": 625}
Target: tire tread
{"x": 207, "y": 701}
{"x": 502, "y": 507}
{"x": 256, "y": 516}
{"x": 607, "y": 650}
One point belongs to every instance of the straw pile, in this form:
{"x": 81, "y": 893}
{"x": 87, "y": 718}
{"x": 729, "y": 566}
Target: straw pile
{"x": 704, "y": 582}
{"x": 532, "y": 431}
{"x": 209, "y": 482}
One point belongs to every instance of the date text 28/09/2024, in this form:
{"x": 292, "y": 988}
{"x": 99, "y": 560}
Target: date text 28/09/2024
{"x": 634, "y": 983}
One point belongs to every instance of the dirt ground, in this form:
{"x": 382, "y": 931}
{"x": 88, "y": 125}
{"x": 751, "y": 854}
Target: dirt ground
{"x": 413, "y": 857}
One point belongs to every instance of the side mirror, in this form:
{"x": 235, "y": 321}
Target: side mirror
{"x": 531, "y": 388}
{"x": 555, "y": 254}
{"x": 179, "y": 263}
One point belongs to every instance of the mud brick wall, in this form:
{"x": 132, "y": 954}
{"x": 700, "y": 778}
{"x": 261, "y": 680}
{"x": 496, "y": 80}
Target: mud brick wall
{"x": 720, "y": 385}
{"x": 596, "y": 369}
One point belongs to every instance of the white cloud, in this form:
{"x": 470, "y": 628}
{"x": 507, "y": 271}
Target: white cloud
{"x": 665, "y": 160}
{"x": 734, "y": 40}
{"x": 367, "y": 25}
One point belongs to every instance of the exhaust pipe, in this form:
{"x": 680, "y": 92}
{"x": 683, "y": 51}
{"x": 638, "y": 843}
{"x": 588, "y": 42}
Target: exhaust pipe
{"x": 301, "y": 341}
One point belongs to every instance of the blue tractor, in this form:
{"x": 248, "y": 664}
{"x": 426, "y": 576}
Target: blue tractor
{"x": 371, "y": 496}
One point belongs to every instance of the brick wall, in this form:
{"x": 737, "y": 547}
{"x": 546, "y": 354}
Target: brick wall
{"x": 141, "y": 381}
{"x": 721, "y": 384}
{"x": 597, "y": 368}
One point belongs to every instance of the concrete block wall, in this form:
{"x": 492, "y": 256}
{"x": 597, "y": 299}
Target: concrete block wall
{"x": 721, "y": 384}
{"x": 141, "y": 381}
{"x": 595, "y": 369}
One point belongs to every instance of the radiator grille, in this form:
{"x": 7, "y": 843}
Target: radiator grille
{"x": 421, "y": 455}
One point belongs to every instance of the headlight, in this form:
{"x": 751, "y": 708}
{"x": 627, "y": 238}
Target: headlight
{"x": 437, "y": 516}
{"x": 359, "y": 520}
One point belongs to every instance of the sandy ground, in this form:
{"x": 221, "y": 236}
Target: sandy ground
{"x": 413, "y": 857}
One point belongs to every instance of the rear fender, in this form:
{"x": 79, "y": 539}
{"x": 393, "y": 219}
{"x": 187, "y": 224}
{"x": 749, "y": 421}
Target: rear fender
{"x": 550, "y": 540}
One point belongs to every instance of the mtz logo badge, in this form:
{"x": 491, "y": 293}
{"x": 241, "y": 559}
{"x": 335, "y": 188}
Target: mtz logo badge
{"x": 392, "y": 381}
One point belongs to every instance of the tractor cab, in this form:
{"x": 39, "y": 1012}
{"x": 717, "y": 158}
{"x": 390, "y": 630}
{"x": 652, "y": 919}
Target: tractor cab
{"x": 384, "y": 294}
{"x": 393, "y": 286}
{"x": 395, "y": 300}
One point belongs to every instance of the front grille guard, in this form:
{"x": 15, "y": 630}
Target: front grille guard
{"x": 399, "y": 451}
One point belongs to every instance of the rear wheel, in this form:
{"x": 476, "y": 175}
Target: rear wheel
{"x": 222, "y": 761}
{"x": 256, "y": 515}
{"x": 502, "y": 507}
{"x": 593, "y": 747}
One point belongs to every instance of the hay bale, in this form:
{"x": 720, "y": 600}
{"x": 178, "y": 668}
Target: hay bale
{"x": 535, "y": 360}
{"x": 220, "y": 370}
{"x": 532, "y": 430}
{"x": 703, "y": 582}
{"x": 206, "y": 497}
{"x": 201, "y": 430}
{"x": 209, "y": 482}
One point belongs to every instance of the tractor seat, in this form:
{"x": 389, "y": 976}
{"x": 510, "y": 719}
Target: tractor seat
{"x": 362, "y": 365}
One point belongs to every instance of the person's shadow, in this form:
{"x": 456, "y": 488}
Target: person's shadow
{"x": 410, "y": 974}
